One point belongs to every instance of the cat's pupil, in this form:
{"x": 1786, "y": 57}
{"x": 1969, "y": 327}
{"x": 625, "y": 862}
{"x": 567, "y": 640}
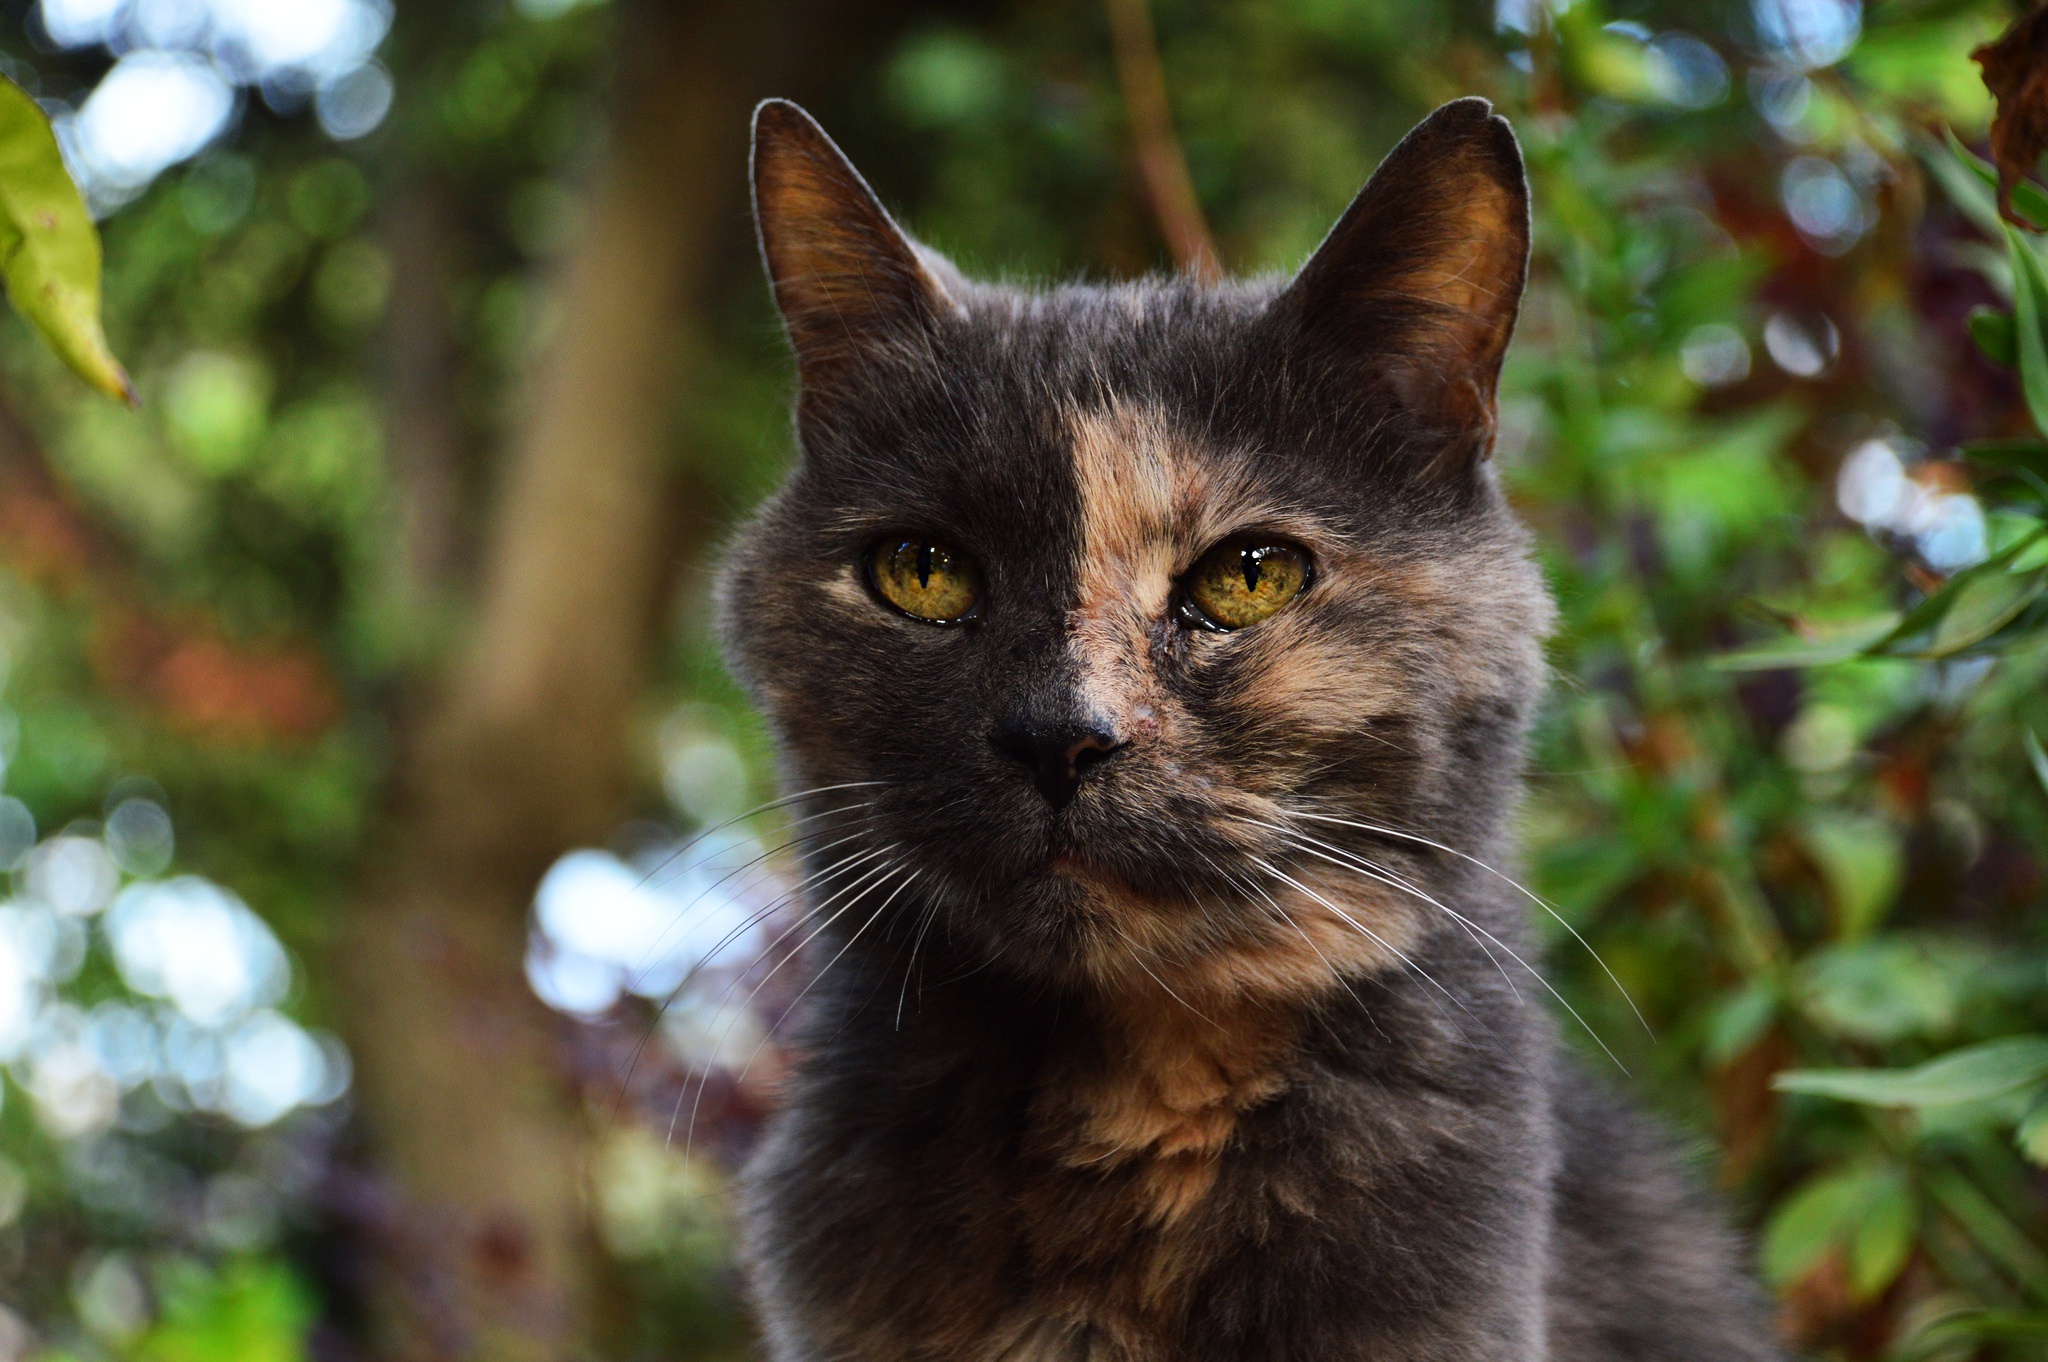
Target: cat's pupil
{"x": 1250, "y": 562}
{"x": 924, "y": 564}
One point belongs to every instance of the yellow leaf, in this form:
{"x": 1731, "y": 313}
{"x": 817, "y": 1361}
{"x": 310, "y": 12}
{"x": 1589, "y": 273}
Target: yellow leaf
{"x": 49, "y": 249}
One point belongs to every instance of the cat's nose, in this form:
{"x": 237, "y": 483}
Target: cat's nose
{"x": 1059, "y": 755}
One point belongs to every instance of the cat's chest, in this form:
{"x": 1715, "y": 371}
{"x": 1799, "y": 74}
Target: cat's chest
{"x": 1073, "y": 1219}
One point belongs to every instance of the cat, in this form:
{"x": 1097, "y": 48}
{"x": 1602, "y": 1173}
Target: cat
{"x": 1151, "y": 666}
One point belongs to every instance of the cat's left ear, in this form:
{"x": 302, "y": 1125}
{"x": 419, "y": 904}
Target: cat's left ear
{"x": 1420, "y": 281}
{"x": 847, "y": 279}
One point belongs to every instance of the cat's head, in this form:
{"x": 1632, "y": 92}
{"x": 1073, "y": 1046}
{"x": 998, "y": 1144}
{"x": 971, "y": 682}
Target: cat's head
{"x": 1103, "y": 617}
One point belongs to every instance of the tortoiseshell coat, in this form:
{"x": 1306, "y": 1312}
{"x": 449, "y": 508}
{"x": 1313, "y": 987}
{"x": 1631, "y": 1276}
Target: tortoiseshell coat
{"x": 1165, "y": 1073}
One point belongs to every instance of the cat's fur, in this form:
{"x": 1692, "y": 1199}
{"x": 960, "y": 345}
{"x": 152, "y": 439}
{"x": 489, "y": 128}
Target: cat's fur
{"x": 1145, "y": 1075}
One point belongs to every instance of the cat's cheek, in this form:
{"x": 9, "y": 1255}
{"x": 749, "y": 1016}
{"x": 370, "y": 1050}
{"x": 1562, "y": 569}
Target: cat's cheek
{"x": 1321, "y": 692}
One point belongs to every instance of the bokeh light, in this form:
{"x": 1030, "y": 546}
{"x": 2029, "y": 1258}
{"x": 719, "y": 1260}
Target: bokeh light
{"x": 183, "y": 65}
{"x": 1876, "y": 488}
{"x": 606, "y": 928}
{"x": 196, "y": 1027}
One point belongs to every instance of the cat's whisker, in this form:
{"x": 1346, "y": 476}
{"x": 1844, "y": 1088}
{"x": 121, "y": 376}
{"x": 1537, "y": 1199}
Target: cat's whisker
{"x": 1368, "y": 932}
{"x": 1398, "y": 882}
{"x": 851, "y": 896}
{"x": 1138, "y": 960}
{"x": 705, "y": 960}
{"x": 845, "y": 896}
{"x": 1523, "y": 889}
{"x": 649, "y": 957}
{"x": 703, "y": 1076}
{"x": 925, "y": 920}
{"x": 1250, "y": 887}
{"x": 1366, "y": 868}
{"x": 821, "y": 876}
{"x": 909, "y": 878}
{"x": 759, "y": 809}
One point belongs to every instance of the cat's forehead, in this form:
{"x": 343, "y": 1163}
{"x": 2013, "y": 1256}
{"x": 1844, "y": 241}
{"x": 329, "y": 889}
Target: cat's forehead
{"x": 1144, "y": 475}
{"x": 1130, "y": 411}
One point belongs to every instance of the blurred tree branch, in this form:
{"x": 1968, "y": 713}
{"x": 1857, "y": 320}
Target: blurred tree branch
{"x": 428, "y": 442}
{"x": 1162, "y": 165}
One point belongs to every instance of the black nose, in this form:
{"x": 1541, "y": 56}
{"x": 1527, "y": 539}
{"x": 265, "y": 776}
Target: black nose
{"x": 1058, "y": 754}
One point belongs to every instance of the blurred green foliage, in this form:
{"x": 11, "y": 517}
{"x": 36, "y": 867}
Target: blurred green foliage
{"x": 1787, "y": 787}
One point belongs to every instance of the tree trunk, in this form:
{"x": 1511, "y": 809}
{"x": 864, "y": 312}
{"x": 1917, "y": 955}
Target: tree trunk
{"x": 523, "y": 752}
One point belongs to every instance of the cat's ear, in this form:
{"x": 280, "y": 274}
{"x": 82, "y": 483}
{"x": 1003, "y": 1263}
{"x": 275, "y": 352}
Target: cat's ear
{"x": 846, "y": 278}
{"x": 1419, "y": 282}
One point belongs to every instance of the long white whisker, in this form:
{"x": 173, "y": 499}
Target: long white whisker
{"x": 751, "y": 921}
{"x": 925, "y": 920}
{"x": 1521, "y": 888}
{"x": 1372, "y": 935}
{"x": 909, "y": 879}
{"x": 846, "y": 895}
{"x": 757, "y": 810}
{"x": 1137, "y": 960}
{"x": 1242, "y": 885}
{"x": 1389, "y": 877}
{"x": 648, "y": 958}
{"x": 1374, "y": 873}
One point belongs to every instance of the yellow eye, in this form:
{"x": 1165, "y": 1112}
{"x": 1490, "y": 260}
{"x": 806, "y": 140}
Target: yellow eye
{"x": 925, "y": 580}
{"x": 1242, "y": 581}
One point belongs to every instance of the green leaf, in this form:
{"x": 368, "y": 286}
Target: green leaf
{"x": 250, "y": 1311}
{"x": 2030, "y": 305}
{"x": 1938, "y": 1337}
{"x": 2026, "y": 456}
{"x": 1969, "y": 608}
{"x": 2032, "y": 1134}
{"x": 1828, "y": 1213}
{"x": 49, "y": 250}
{"x": 1882, "y": 1243}
{"x": 1817, "y": 644}
{"x": 1957, "y": 176}
{"x": 1992, "y": 329}
{"x": 1739, "y": 1019}
{"x": 2027, "y": 197}
{"x": 1974, "y": 1074}
{"x": 1886, "y": 989}
{"x": 1980, "y": 608}
{"x": 1988, "y": 1224}
{"x": 2037, "y": 757}
{"x": 1862, "y": 861}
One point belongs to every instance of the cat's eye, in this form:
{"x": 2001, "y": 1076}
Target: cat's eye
{"x": 925, "y": 580}
{"x": 1242, "y": 581}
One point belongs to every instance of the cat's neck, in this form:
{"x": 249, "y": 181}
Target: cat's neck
{"x": 1159, "y": 1082}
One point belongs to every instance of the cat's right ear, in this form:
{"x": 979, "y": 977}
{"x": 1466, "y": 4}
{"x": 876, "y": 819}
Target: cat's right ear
{"x": 1418, "y": 284}
{"x": 847, "y": 279}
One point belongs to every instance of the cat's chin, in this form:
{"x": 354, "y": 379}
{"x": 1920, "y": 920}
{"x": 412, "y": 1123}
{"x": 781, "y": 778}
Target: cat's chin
{"x": 1073, "y": 919}
{"x": 1089, "y": 875}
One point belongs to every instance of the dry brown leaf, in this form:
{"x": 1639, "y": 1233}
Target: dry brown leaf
{"x": 2016, "y": 73}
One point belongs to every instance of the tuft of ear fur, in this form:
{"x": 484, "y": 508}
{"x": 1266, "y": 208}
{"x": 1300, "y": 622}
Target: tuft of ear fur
{"x": 846, "y": 278}
{"x": 1419, "y": 282}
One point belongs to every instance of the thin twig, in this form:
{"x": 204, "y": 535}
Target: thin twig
{"x": 1161, "y": 162}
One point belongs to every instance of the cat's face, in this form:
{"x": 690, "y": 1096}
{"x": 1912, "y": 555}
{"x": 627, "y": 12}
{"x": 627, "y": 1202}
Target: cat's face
{"x": 1087, "y": 610}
